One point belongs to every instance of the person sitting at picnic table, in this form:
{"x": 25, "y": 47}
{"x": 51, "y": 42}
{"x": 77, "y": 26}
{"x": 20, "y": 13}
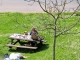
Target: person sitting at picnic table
{"x": 25, "y": 33}
{"x": 35, "y": 36}
{"x": 33, "y": 31}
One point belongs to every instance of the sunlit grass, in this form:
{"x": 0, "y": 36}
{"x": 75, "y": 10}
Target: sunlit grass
{"x": 67, "y": 46}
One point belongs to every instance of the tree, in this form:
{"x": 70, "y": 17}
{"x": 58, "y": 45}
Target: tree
{"x": 56, "y": 9}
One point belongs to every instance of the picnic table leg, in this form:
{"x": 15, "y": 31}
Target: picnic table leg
{"x": 16, "y": 41}
{"x": 11, "y": 42}
{"x": 40, "y": 42}
{"x": 34, "y": 44}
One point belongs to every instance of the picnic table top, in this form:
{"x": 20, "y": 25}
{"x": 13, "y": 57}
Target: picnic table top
{"x": 21, "y": 37}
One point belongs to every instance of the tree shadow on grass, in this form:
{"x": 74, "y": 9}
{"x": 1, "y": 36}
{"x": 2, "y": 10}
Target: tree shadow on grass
{"x": 25, "y": 50}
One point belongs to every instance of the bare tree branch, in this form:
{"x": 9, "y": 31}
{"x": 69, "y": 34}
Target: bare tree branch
{"x": 45, "y": 10}
{"x": 64, "y": 31}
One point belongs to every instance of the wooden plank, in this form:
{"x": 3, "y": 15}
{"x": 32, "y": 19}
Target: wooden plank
{"x": 43, "y": 40}
{"x": 21, "y": 39}
{"x": 29, "y": 47}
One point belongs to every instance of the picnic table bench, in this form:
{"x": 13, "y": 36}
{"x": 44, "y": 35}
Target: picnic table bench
{"x": 21, "y": 37}
{"x": 29, "y": 47}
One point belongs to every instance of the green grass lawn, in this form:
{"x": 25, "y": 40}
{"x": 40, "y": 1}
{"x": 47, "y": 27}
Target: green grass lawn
{"x": 67, "y": 46}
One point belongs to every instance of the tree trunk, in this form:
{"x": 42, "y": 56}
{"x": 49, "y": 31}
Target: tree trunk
{"x": 54, "y": 41}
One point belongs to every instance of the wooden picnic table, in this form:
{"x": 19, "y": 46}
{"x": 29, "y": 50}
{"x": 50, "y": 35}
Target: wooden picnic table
{"x": 21, "y": 37}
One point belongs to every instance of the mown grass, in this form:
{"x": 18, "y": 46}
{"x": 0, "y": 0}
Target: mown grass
{"x": 67, "y": 46}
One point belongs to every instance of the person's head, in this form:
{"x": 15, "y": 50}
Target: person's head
{"x": 33, "y": 29}
{"x": 25, "y": 32}
{"x": 6, "y": 55}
